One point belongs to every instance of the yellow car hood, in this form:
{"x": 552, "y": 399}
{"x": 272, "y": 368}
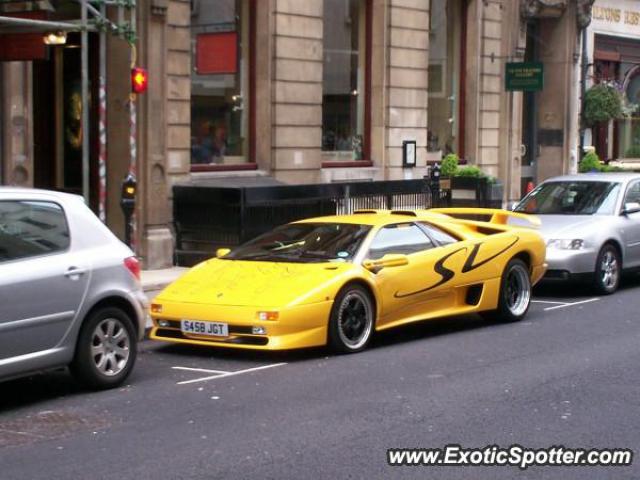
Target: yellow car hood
{"x": 252, "y": 283}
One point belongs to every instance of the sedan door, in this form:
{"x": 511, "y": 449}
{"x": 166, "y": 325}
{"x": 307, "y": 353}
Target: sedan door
{"x": 421, "y": 287}
{"x": 42, "y": 282}
{"x": 630, "y": 227}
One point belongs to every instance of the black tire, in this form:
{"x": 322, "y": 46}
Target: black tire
{"x": 515, "y": 293}
{"x": 352, "y": 320}
{"x": 608, "y": 271}
{"x": 106, "y": 350}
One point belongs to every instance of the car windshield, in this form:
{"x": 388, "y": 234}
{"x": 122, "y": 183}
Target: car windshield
{"x": 304, "y": 243}
{"x": 571, "y": 198}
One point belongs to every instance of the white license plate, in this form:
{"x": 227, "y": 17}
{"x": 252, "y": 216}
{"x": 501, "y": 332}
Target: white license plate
{"x": 196, "y": 327}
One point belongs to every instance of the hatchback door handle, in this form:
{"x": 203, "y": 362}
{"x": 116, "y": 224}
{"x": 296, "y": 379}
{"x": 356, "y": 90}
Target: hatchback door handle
{"x": 74, "y": 272}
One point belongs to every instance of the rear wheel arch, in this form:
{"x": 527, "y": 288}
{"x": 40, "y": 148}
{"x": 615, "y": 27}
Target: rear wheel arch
{"x": 115, "y": 302}
{"x": 525, "y": 256}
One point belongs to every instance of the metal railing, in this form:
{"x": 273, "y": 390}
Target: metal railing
{"x": 210, "y": 217}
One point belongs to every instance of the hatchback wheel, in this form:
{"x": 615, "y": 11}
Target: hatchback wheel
{"x": 608, "y": 270}
{"x": 352, "y": 320}
{"x": 106, "y": 349}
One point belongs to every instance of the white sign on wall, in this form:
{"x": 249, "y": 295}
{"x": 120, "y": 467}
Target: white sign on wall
{"x": 616, "y": 16}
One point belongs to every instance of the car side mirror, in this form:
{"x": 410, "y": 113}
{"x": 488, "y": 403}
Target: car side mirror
{"x": 631, "y": 207}
{"x": 221, "y": 252}
{"x": 388, "y": 261}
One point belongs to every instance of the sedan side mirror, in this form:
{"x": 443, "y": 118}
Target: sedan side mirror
{"x": 389, "y": 260}
{"x": 221, "y": 252}
{"x": 631, "y": 207}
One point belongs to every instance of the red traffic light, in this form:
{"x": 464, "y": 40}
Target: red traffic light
{"x": 139, "y": 79}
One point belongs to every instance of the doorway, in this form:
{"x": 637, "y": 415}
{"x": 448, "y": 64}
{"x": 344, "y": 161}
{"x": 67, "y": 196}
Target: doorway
{"x": 57, "y": 118}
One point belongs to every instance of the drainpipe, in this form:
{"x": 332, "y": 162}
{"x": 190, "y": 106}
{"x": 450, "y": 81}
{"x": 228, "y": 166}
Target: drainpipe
{"x": 584, "y": 67}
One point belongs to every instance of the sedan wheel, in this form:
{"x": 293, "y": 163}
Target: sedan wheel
{"x": 608, "y": 269}
{"x": 351, "y": 322}
{"x": 106, "y": 349}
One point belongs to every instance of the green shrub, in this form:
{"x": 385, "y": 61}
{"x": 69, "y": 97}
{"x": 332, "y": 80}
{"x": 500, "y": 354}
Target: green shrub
{"x": 589, "y": 163}
{"x": 601, "y": 104}
{"x": 632, "y": 152}
{"x": 469, "y": 171}
{"x": 449, "y": 165}
{"x": 611, "y": 168}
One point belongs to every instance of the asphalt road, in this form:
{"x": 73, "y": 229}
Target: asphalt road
{"x": 567, "y": 375}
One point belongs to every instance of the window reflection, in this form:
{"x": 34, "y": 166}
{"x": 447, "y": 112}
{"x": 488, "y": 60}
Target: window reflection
{"x": 219, "y": 81}
{"x": 344, "y": 67}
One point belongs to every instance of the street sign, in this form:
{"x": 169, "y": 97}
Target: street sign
{"x": 524, "y": 76}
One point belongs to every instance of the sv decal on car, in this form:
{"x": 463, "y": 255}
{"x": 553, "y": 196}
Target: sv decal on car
{"x": 446, "y": 274}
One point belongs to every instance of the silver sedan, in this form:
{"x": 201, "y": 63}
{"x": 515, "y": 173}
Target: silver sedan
{"x": 70, "y": 292}
{"x": 591, "y": 223}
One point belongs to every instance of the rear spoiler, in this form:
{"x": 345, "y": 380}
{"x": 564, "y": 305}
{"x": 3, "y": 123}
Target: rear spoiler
{"x": 498, "y": 216}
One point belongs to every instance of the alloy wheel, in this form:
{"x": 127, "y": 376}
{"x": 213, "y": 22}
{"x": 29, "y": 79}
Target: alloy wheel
{"x": 110, "y": 347}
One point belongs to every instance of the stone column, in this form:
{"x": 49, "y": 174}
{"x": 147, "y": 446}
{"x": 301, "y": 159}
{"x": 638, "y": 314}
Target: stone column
{"x": 297, "y": 102}
{"x": 162, "y": 54}
{"x": 485, "y": 153}
{"x": 407, "y": 81}
{"x": 17, "y": 124}
{"x": 511, "y": 106}
{"x": 559, "y": 43}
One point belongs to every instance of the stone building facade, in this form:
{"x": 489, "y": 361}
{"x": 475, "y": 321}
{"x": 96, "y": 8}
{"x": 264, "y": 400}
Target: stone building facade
{"x": 310, "y": 91}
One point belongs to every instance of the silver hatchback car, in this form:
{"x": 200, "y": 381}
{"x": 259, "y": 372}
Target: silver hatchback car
{"x": 70, "y": 292}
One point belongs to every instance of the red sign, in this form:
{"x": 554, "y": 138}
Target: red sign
{"x": 217, "y": 53}
{"x": 23, "y": 46}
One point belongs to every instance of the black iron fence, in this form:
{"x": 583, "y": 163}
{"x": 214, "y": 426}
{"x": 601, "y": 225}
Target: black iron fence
{"x": 210, "y": 217}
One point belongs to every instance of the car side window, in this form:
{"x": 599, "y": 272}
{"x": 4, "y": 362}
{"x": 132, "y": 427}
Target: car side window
{"x": 31, "y": 228}
{"x": 440, "y": 236}
{"x": 633, "y": 193}
{"x": 401, "y": 238}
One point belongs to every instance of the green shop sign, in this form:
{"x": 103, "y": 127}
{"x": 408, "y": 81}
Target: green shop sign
{"x": 524, "y": 76}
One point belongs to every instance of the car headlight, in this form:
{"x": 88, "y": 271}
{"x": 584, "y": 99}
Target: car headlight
{"x": 566, "y": 243}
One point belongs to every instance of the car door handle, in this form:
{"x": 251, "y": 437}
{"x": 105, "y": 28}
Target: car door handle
{"x": 74, "y": 272}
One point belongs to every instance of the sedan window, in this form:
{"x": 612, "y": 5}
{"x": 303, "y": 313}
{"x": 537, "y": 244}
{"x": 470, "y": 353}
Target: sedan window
{"x": 633, "y": 193}
{"x": 571, "y": 197}
{"x": 401, "y": 238}
{"x": 29, "y": 229}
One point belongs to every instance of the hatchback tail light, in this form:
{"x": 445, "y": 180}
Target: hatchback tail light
{"x": 133, "y": 265}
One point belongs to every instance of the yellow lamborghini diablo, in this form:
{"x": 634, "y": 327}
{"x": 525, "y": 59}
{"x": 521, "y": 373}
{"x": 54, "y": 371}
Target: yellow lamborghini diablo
{"x": 335, "y": 280}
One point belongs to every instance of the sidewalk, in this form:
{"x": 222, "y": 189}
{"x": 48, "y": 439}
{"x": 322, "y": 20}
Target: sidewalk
{"x": 156, "y": 280}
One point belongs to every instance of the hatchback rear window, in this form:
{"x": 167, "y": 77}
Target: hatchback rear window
{"x": 31, "y": 228}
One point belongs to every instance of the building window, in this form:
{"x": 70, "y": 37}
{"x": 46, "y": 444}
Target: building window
{"x": 344, "y": 82}
{"x": 220, "y": 38}
{"x": 444, "y": 63}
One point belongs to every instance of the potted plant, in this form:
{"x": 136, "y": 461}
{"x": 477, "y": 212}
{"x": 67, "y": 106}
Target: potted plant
{"x": 470, "y": 185}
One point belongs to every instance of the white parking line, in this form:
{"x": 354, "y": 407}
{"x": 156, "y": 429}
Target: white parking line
{"x": 203, "y": 370}
{"x": 573, "y": 304}
{"x": 548, "y": 301}
{"x": 224, "y": 374}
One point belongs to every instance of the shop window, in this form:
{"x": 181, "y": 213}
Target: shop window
{"x": 444, "y": 68}
{"x": 220, "y": 37}
{"x": 344, "y": 88}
